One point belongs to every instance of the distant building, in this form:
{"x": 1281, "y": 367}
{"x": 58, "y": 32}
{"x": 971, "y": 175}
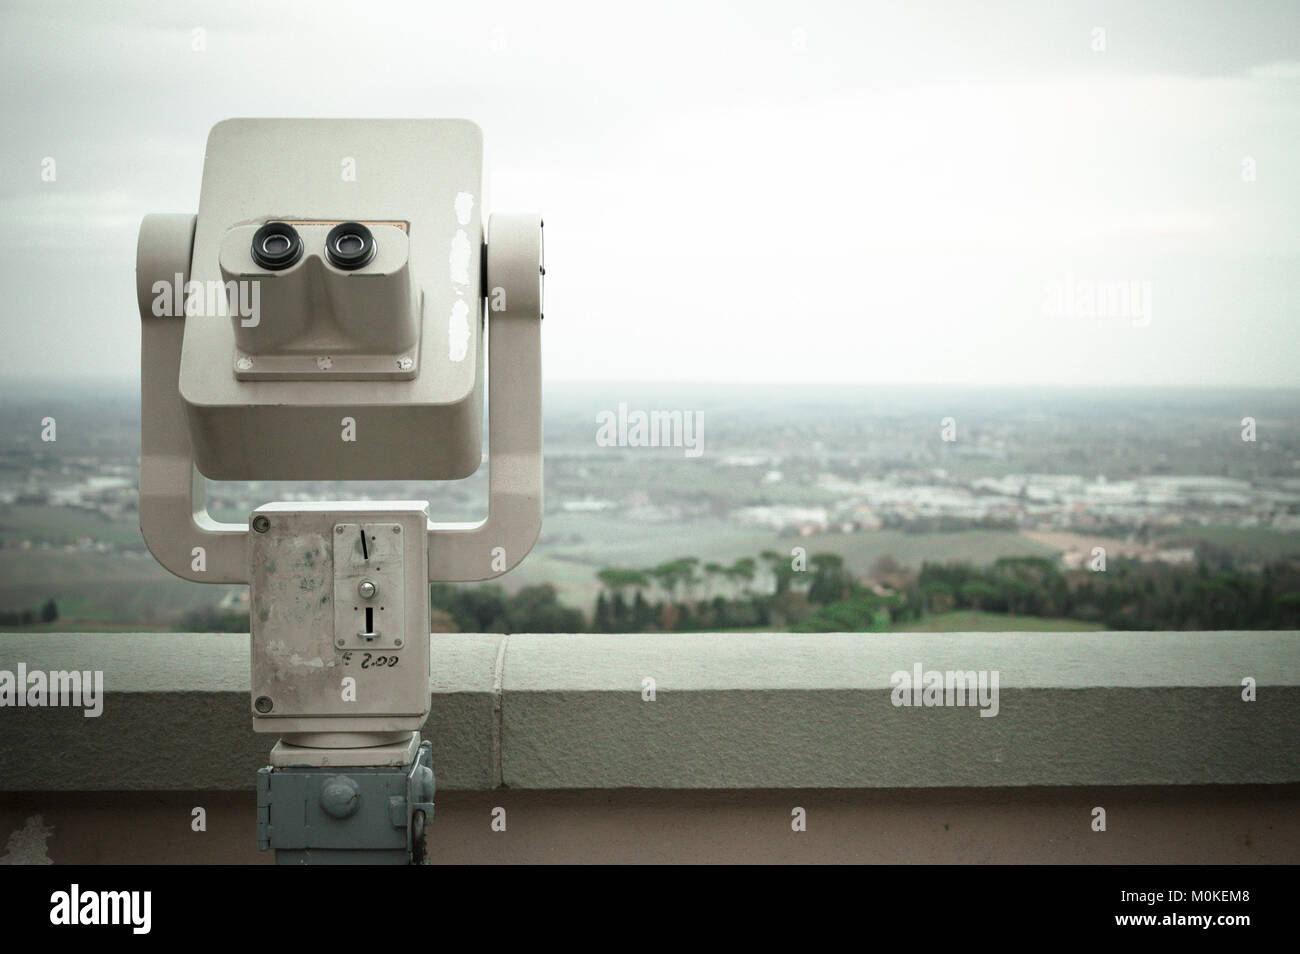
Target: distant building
{"x": 587, "y": 506}
{"x": 1175, "y": 556}
{"x": 806, "y": 520}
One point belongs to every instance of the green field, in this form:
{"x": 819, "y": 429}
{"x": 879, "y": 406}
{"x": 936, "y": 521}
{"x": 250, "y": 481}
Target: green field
{"x": 575, "y": 546}
{"x": 1258, "y": 543}
{"x": 977, "y": 621}
{"x": 101, "y": 591}
{"x": 94, "y": 591}
{"x": 62, "y": 525}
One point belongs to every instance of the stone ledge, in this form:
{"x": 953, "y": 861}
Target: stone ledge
{"x": 731, "y": 711}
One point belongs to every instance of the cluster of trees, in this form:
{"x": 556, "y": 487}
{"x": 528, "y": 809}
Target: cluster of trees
{"x": 617, "y": 613}
{"x": 1026, "y": 586}
{"x": 1136, "y": 596}
{"x": 685, "y": 595}
{"x": 676, "y": 596}
{"x": 862, "y": 610}
{"x": 1128, "y": 595}
{"x": 489, "y": 609}
{"x": 48, "y": 613}
{"x": 1031, "y": 586}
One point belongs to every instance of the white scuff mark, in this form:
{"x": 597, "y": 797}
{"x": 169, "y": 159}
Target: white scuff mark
{"x": 464, "y": 207}
{"x": 460, "y": 258}
{"x": 458, "y": 331}
{"x": 26, "y": 846}
{"x": 296, "y": 660}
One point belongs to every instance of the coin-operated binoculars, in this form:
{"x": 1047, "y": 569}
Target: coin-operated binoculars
{"x": 322, "y": 318}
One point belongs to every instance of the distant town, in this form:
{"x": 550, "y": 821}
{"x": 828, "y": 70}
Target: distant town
{"x": 1169, "y": 478}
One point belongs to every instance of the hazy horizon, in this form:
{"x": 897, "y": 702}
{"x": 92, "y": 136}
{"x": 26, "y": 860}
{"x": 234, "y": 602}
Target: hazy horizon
{"x": 873, "y": 193}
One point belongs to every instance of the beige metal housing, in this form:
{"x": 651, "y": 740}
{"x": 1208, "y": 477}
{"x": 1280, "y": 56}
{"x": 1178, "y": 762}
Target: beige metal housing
{"x": 268, "y": 427}
{"x": 427, "y": 173}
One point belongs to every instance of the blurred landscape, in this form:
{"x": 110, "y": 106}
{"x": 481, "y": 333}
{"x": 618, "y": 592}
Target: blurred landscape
{"x": 808, "y": 508}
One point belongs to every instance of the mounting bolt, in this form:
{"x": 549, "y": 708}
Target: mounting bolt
{"x": 244, "y": 363}
{"x": 340, "y": 797}
{"x": 261, "y": 523}
{"x": 405, "y": 364}
{"x": 398, "y": 642}
{"x": 263, "y": 704}
{"x": 367, "y": 590}
{"x": 340, "y": 642}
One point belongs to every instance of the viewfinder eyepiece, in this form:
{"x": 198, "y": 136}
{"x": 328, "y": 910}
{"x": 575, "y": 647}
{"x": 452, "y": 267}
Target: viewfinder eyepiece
{"x": 350, "y": 246}
{"x": 276, "y": 246}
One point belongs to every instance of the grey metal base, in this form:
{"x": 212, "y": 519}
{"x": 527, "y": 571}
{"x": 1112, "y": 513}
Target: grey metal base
{"x": 350, "y": 814}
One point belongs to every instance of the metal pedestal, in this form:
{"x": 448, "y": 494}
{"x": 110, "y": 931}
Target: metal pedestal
{"x": 348, "y": 813}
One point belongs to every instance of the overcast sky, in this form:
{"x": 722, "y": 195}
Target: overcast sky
{"x": 861, "y": 193}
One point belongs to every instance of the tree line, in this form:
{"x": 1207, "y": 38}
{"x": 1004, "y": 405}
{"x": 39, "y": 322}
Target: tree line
{"x": 825, "y": 597}
{"x": 774, "y": 592}
{"x": 47, "y": 613}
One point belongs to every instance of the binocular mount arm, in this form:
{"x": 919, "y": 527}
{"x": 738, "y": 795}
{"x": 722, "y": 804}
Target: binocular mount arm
{"x": 513, "y": 287}
{"x": 174, "y": 515}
